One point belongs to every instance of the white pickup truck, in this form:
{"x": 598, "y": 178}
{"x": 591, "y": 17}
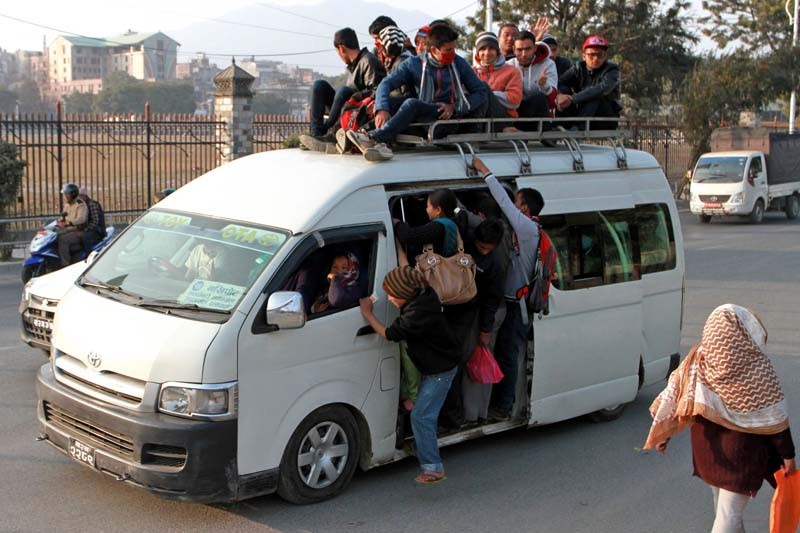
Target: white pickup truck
{"x": 748, "y": 171}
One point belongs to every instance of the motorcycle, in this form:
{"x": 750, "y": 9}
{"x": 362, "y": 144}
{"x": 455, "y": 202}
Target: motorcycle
{"x": 44, "y": 251}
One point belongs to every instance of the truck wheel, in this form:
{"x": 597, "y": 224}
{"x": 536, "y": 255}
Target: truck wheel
{"x": 792, "y": 207}
{"x": 321, "y": 456}
{"x": 608, "y": 414}
{"x": 705, "y": 219}
{"x": 757, "y": 215}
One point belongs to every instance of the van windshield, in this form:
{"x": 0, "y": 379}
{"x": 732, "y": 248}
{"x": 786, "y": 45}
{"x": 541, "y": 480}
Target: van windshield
{"x": 720, "y": 169}
{"x": 184, "y": 264}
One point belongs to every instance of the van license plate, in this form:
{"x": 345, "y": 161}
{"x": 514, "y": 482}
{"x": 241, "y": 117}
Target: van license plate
{"x": 42, "y": 324}
{"x": 81, "y": 452}
{"x": 712, "y": 204}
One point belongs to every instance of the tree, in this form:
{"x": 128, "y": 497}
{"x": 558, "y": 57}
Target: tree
{"x": 8, "y": 101}
{"x": 79, "y": 102}
{"x": 11, "y": 168}
{"x": 122, "y": 93}
{"x": 271, "y": 104}
{"x": 758, "y": 24}
{"x": 30, "y": 99}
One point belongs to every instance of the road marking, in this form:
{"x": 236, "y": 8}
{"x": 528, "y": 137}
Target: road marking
{"x": 8, "y": 348}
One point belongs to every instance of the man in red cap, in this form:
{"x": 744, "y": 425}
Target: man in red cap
{"x": 591, "y": 88}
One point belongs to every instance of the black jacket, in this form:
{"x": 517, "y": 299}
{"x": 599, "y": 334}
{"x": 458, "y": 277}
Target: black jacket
{"x": 365, "y": 74}
{"x": 585, "y": 85}
{"x": 563, "y": 64}
{"x": 431, "y": 345}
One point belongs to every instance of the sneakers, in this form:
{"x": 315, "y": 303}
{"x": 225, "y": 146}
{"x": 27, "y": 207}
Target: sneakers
{"x": 498, "y": 415}
{"x": 318, "y": 144}
{"x": 372, "y": 150}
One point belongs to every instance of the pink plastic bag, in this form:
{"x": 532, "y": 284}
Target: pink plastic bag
{"x": 482, "y": 368}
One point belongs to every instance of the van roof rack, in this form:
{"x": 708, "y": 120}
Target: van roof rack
{"x": 568, "y": 131}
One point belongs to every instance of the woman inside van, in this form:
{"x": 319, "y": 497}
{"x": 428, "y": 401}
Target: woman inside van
{"x": 432, "y": 347}
{"x": 442, "y": 232}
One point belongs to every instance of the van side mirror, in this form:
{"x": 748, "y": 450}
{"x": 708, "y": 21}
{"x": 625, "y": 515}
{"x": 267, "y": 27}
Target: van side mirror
{"x": 286, "y": 310}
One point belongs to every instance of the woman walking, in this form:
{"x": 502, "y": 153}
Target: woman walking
{"x": 727, "y": 391}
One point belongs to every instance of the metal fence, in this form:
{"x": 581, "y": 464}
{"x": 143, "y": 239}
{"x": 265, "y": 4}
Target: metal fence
{"x": 123, "y": 160}
{"x": 270, "y": 131}
{"x": 667, "y": 144}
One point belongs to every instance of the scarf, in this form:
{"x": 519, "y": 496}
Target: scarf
{"x": 427, "y": 87}
{"x": 726, "y": 378}
{"x": 450, "y": 247}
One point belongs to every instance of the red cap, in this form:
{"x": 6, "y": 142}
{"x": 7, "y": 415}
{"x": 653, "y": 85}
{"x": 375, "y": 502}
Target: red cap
{"x": 595, "y": 41}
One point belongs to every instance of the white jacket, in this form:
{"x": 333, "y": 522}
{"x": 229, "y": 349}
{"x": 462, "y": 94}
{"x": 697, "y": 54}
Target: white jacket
{"x": 531, "y": 74}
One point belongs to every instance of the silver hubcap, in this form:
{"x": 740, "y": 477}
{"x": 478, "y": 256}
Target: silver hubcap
{"x": 322, "y": 455}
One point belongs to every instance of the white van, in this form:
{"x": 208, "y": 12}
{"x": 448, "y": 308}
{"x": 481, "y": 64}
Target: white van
{"x": 227, "y": 389}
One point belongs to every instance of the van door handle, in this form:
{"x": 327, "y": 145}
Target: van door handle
{"x": 366, "y": 330}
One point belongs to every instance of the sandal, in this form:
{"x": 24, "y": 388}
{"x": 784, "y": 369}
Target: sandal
{"x": 429, "y": 477}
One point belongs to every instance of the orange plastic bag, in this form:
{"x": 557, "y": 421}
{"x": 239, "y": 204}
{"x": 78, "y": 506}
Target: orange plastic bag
{"x": 784, "y": 514}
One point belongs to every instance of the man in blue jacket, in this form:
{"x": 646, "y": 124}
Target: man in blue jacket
{"x": 446, "y": 87}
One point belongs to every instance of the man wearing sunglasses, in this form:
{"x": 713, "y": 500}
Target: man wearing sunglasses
{"x": 591, "y": 88}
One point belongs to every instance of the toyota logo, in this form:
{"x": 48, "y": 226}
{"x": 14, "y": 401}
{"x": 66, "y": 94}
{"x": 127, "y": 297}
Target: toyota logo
{"x": 94, "y": 359}
{"x": 713, "y": 198}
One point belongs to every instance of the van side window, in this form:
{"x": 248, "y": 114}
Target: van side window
{"x": 607, "y": 247}
{"x": 755, "y": 165}
{"x": 656, "y": 239}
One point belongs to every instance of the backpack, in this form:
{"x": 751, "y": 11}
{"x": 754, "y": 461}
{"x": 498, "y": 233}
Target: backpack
{"x": 537, "y": 292}
{"x": 355, "y": 113}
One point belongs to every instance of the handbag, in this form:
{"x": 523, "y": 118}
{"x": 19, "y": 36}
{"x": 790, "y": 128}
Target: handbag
{"x": 453, "y": 278}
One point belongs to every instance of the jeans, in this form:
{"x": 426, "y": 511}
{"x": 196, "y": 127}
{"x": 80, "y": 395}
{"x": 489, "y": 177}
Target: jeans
{"x": 432, "y": 392}
{"x": 415, "y": 110}
{"x": 729, "y": 511}
{"x": 323, "y": 97}
{"x": 69, "y": 243}
{"x": 597, "y": 108}
{"x": 512, "y": 339}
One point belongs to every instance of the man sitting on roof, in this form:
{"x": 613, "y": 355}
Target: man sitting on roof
{"x": 539, "y": 78}
{"x": 591, "y": 87}
{"x": 563, "y": 64}
{"x": 503, "y": 80}
{"x": 365, "y": 72}
{"x": 446, "y": 87}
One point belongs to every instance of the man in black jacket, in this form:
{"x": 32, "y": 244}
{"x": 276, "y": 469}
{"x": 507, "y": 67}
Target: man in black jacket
{"x": 365, "y": 72}
{"x": 433, "y": 349}
{"x": 591, "y": 88}
{"x": 563, "y": 64}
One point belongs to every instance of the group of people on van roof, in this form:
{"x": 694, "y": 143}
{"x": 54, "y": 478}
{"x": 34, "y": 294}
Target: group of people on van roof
{"x": 439, "y": 340}
{"x": 400, "y": 83}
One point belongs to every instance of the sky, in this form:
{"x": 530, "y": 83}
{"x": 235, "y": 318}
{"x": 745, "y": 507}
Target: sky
{"x": 94, "y": 18}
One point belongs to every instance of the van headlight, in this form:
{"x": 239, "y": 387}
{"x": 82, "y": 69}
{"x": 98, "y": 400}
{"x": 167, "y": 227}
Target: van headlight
{"x": 737, "y": 198}
{"x": 216, "y": 401}
{"x": 25, "y": 300}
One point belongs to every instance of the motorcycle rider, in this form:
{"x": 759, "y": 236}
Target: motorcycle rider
{"x": 71, "y": 227}
{"x": 96, "y": 225}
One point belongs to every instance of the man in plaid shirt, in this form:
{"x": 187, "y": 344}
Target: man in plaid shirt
{"x": 96, "y": 225}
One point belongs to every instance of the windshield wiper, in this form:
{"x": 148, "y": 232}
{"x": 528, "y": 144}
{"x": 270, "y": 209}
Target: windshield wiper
{"x": 83, "y": 282}
{"x": 169, "y": 305}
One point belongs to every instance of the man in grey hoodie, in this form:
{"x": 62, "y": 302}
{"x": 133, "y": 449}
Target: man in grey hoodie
{"x": 513, "y": 334}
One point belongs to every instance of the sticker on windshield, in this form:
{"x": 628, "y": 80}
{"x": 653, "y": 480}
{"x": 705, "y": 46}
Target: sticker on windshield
{"x": 165, "y": 220}
{"x": 211, "y": 294}
{"x": 245, "y": 235}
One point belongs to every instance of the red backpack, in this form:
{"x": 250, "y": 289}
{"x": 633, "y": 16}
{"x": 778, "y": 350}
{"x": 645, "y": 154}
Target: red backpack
{"x": 537, "y": 292}
{"x": 356, "y": 114}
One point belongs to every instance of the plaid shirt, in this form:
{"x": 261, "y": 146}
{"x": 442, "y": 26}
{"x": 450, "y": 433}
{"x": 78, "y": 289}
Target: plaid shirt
{"x": 97, "y": 219}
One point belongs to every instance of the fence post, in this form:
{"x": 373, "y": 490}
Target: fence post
{"x": 666, "y": 153}
{"x": 59, "y": 157}
{"x": 148, "y": 154}
{"x": 233, "y": 103}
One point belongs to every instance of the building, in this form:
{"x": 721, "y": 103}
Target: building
{"x": 201, "y": 72}
{"x": 81, "y": 63}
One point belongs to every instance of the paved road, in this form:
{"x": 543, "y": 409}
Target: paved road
{"x": 573, "y": 476}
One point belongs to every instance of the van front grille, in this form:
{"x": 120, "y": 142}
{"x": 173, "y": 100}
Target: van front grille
{"x": 86, "y": 429}
{"x": 721, "y": 198}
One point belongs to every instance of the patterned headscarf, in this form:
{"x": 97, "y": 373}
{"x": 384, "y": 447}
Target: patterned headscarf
{"x": 404, "y": 282}
{"x": 349, "y": 278}
{"x": 727, "y": 379}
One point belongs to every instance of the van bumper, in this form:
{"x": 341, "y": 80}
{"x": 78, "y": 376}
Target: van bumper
{"x": 699, "y": 208}
{"x": 172, "y": 457}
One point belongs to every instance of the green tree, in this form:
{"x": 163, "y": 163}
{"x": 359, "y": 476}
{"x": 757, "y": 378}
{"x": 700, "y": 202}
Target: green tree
{"x": 8, "y": 101}
{"x": 11, "y": 168}
{"x": 758, "y": 24}
{"x": 79, "y": 102}
{"x": 121, "y": 93}
{"x": 30, "y": 99}
{"x": 270, "y": 104}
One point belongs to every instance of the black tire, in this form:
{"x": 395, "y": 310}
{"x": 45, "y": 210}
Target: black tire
{"x": 792, "y": 208}
{"x": 705, "y": 219}
{"x": 295, "y": 484}
{"x": 33, "y": 271}
{"x": 608, "y": 414}
{"x": 757, "y": 215}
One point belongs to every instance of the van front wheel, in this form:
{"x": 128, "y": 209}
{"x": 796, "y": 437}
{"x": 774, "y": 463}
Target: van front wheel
{"x": 321, "y": 456}
{"x": 757, "y": 215}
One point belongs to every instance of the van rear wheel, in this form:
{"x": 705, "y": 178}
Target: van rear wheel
{"x": 792, "y": 207}
{"x": 321, "y": 456}
{"x": 608, "y": 414}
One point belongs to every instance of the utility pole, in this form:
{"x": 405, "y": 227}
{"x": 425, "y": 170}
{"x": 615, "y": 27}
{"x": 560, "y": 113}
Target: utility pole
{"x": 793, "y": 101}
{"x": 490, "y": 15}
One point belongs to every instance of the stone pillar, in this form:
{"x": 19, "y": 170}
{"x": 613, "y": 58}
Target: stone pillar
{"x": 233, "y": 101}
